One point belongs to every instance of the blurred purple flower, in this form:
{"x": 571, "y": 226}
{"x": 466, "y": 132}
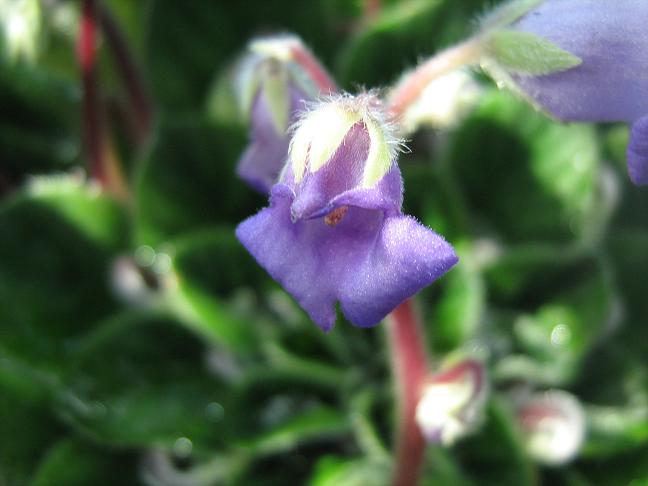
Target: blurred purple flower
{"x": 276, "y": 79}
{"x": 334, "y": 230}
{"x": 611, "y": 83}
{"x": 267, "y": 150}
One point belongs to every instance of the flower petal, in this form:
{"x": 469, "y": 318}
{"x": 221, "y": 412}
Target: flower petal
{"x": 338, "y": 183}
{"x": 638, "y": 152}
{"x": 368, "y": 262}
{"x": 343, "y": 172}
{"x": 405, "y": 257}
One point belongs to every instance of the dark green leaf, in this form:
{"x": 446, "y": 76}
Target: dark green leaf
{"x": 28, "y": 429}
{"x": 408, "y": 30}
{"x": 525, "y": 177}
{"x": 143, "y": 381}
{"x": 59, "y": 238}
{"x": 188, "y": 43}
{"x": 187, "y": 181}
{"x": 77, "y": 463}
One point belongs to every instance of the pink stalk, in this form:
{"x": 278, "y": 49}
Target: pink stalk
{"x": 92, "y": 117}
{"x": 315, "y": 70}
{"x": 410, "y": 367}
{"x": 410, "y": 88}
{"x": 371, "y": 9}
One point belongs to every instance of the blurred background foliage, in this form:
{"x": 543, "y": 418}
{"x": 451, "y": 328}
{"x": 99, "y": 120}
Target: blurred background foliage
{"x": 140, "y": 344}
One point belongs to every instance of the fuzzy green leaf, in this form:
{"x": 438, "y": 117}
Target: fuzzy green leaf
{"x": 526, "y": 53}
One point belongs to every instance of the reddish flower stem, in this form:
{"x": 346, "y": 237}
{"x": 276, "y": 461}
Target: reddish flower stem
{"x": 92, "y": 117}
{"x": 410, "y": 367}
{"x": 411, "y": 87}
{"x": 467, "y": 366}
{"x": 312, "y": 66}
{"x": 142, "y": 107}
{"x": 371, "y": 8}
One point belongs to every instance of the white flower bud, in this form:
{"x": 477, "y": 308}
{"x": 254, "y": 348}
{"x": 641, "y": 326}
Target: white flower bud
{"x": 452, "y": 403}
{"x": 139, "y": 281}
{"x": 20, "y": 28}
{"x": 443, "y": 102}
{"x": 553, "y": 423}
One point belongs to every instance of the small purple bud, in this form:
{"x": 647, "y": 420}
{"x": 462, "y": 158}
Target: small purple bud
{"x": 452, "y": 402}
{"x": 553, "y": 423}
{"x": 334, "y": 231}
{"x": 273, "y": 90}
{"x": 611, "y": 83}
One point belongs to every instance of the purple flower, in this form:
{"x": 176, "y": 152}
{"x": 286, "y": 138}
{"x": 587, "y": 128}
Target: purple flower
{"x": 334, "y": 231}
{"x": 611, "y": 83}
{"x": 273, "y": 90}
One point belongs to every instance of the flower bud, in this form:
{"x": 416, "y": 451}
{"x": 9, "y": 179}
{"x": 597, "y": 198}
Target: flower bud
{"x": 553, "y": 423}
{"x": 443, "y": 102}
{"x": 20, "y": 29}
{"x": 138, "y": 280}
{"x": 272, "y": 90}
{"x": 452, "y": 402}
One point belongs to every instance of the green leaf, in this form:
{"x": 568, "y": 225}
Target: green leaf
{"x": 28, "y": 428}
{"x": 320, "y": 372}
{"x": 532, "y": 271}
{"x": 77, "y": 463}
{"x": 215, "y": 321}
{"x": 557, "y": 336}
{"x": 189, "y": 43}
{"x": 187, "y": 181}
{"x": 628, "y": 252}
{"x": 524, "y": 177}
{"x": 217, "y": 262}
{"x": 211, "y": 267}
{"x": 142, "y": 381}
{"x": 623, "y": 470}
{"x": 336, "y": 471}
{"x": 433, "y": 197}
{"x": 316, "y": 424}
{"x": 98, "y": 215}
{"x": 59, "y": 238}
{"x": 407, "y": 30}
{"x": 38, "y": 124}
{"x": 527, "y": 53}
{"x": 496, "y": 455}
{"x": 440, "y": 467}
{"x": 458, "y": 314}
{"x": 616, "y": 430}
